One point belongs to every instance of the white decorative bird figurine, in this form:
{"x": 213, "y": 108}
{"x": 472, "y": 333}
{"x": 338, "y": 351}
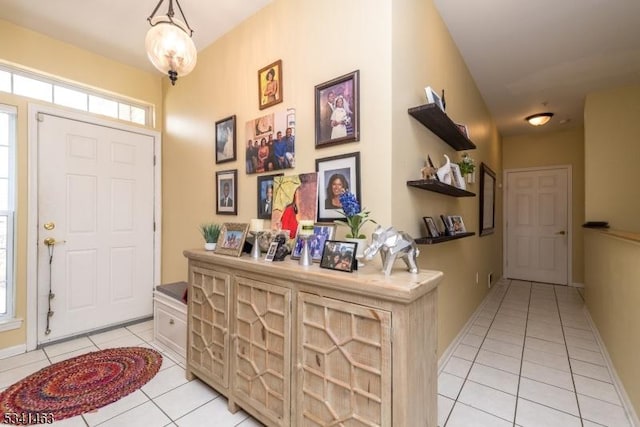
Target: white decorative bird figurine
{"x": 444, "y": 173}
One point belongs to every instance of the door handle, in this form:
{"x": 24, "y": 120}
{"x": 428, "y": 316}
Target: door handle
{"x": 561, "y": 233}
{"x": 50, "y": 241}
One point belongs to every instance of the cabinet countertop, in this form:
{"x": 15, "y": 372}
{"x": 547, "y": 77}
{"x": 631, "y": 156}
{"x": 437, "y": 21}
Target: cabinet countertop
{"x": 400, "y": 286}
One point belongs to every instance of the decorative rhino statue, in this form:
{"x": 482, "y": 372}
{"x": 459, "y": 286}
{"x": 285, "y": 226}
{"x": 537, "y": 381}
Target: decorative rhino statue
{"x": 392, "y": 245}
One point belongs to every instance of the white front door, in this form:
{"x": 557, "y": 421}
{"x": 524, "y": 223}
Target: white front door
{"x": 537, "y": 232}
{"x": 96, "y": 199}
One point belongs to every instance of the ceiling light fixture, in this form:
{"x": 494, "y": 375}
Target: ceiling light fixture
{"x": 539, "y": 119}
{"x": 168, "y": 43}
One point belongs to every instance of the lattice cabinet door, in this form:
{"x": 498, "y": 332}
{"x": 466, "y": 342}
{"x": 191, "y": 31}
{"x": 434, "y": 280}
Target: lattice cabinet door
{"x": 262, "y": 352}
{"x": 209, "y": 307}
{"x": 344, "y": 364}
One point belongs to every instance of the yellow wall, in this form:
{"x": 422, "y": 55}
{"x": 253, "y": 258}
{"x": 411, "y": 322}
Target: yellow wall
{"x": 315, "y": 45}
{"x": 611, "y": 157}
{"x": 31, "y": 50}
{"x": 612, "y": 274}
{"x": 425, "y": 55}
{"x": 612, "y": 194}
{"x": 553, "y": 149}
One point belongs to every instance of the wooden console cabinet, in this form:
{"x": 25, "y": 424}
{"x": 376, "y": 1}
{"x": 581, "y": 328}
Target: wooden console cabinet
{"x": 305, "y": 346}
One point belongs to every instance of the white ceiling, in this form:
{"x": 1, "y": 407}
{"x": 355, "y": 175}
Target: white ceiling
{"x": 521, "y": 54}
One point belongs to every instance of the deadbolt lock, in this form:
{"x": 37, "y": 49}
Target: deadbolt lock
{"x": 49, "y": 226}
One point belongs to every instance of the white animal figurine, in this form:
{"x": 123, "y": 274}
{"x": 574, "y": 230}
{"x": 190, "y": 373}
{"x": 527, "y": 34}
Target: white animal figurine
{"x": 392, "y": 245}
{"x": 444, "y": 173}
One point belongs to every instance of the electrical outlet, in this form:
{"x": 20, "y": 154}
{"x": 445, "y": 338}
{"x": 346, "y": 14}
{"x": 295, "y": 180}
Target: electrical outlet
{"x": 489, "y": 280}
{"x": 477, "y": 277}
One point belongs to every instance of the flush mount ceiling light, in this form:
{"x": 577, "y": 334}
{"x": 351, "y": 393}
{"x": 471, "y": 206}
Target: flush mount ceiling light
{"x": 168, "y": 43}
{"x": 539, "y": 119}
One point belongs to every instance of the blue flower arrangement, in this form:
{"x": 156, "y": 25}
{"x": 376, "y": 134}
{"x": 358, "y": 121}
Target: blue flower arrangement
{"x": 355, "y": 217}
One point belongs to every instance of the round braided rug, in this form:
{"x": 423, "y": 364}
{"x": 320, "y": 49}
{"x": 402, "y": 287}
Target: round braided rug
{"x": 78, "y": 385}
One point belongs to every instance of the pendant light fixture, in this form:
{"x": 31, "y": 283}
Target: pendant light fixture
{"x": 539, "y": 119}
{"x": 168, "y": 43}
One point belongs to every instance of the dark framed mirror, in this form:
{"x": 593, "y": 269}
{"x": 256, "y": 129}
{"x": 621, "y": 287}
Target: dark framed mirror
{"x": 487, "y": 200}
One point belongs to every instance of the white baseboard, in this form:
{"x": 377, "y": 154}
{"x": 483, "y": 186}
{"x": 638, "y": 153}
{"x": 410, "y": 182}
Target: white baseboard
{"x": 624, "y": 398}
{"x": 13, "y": 351}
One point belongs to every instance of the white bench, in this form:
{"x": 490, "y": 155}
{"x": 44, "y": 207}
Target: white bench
{"x": 170, "y": 317}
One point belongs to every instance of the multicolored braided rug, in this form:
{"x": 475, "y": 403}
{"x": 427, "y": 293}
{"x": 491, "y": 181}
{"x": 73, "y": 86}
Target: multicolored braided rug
{"x": 78, "y": 385}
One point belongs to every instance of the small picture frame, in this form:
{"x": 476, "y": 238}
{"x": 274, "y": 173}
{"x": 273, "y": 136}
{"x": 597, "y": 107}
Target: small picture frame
{"x": 335, "y": 175}
{"x": 321, "y": 233}
{"x": 448, "y": 226}
{"x": 270, "y": 85}
{"x": 340, "y": 256}
{"x": 337, "y": 110}
{"x": 433, "y": 97}
{"x": 231, "y": 239}
{"x": 432, "y": 229}
{"x": 456, "y": 177}
{"x": 271, "y": 252}
{"x": 457, "y": 225}
{"x": 265, "y": 195}
{"x": 226, "y": 140}
{"x": 227, "y": 192}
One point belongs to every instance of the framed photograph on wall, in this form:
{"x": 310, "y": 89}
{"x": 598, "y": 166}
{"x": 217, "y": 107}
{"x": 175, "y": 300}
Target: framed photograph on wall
{"x": 270, "y": 85}
{"x": 265, "y": 195}
{"x": 321, "y": 233}
{"x": 337, "y": 110}
{"x": 231, "y": 239}
{"x": 226, "y": 140}
{"x": 335, "y": 175}
{"x": 487, "y": 200}
{"x": 227, "y": 192}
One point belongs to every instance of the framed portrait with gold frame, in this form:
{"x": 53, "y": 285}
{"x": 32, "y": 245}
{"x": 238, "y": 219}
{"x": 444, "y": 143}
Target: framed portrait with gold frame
{"x": 270, "y": 85}
{"x": 231, "y": 239}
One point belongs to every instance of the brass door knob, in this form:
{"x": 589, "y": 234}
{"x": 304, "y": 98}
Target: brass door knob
{"x": 561, "y": 233}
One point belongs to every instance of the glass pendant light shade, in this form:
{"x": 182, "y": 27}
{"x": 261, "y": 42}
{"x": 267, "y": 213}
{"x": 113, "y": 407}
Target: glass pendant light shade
{"x": 170, "y": 48}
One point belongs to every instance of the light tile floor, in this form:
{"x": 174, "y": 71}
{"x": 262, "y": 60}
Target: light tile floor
{"x": 530, "y": 358}
{"x": 167, "y": 400}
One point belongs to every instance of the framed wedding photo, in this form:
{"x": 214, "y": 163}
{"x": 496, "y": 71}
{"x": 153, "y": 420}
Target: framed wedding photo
{"x": 339, "y": 256}
{"x": 337, "y": 110}
{"x": 270, "y": 85}
{"x": 227, "y": 192}
{"x": 226, "y": 140}
{"x": 335, "y": 175}
{"x": 231, "y": 239}
{"x": 432, "y": 229}
{"x": 321, "y": 233}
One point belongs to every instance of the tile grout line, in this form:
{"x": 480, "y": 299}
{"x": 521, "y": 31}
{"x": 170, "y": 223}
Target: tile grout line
{"x": 475, "y": 357}
{"x": 524, "y": 340}
{"x": 573, "y": 381}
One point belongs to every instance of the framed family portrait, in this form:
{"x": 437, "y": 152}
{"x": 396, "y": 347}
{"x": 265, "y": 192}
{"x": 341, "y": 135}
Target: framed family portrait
{"x": 432, "y": 229}
{"x": 336, "y": 174}
{"x": 226, "y": 140}
{"x": 321, "y": 233}
{"x": 227, "y": 192}
{"x": 270, "y": 85}
{"x": 340, "y": 256}
{"x": 337, "y": 110}
{"x": 271, "y": 141}
{"x": 231, "y": 239}
{"x": 487, "y": 200}
{"x": 265, "y": 195}
{"x": 457, "y": 225}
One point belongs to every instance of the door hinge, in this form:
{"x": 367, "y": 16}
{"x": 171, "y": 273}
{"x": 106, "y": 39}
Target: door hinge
{"x": 154, "y": 226}
{"x": 40, "y": 117}
{"x": 154, "y": 160}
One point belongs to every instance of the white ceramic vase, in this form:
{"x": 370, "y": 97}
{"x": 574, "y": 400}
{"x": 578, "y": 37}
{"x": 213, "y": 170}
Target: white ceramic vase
{"x": 210, "y": 246}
